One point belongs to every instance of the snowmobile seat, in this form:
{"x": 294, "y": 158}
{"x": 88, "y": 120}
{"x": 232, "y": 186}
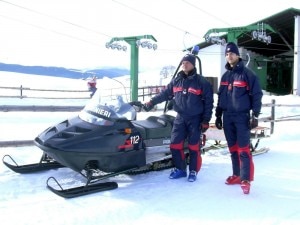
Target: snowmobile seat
{"x": 154, "y": 127}
{"x": 168, "y": 118}
{"x": 141, "y": 129}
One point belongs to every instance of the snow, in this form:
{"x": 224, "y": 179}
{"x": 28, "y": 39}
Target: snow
{"x": 153, "y": 198}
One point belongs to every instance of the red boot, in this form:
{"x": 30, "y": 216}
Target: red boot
{"x": 245, "y": 185}
{"x": 233, "y": 180}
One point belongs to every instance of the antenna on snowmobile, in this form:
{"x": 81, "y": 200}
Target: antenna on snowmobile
{"x": 248, "y": 59}
{"x": 195, "y": 50}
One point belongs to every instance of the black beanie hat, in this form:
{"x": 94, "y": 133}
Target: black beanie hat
{"x": 189, "y": 57}
{"x": 232, "y": 47}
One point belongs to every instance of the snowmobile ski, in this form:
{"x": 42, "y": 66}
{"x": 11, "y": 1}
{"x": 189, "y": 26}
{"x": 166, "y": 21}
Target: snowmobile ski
{"x": 31, "y": 168}
{"x": 81, "y": 190}
{"x": 92, "y": 184}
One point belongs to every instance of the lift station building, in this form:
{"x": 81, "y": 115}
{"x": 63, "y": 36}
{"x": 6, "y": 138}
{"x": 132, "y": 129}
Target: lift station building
{"x": 270, "y": 47}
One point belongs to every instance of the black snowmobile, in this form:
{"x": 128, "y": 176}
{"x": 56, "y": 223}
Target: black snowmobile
{"x": 104, "y": 140}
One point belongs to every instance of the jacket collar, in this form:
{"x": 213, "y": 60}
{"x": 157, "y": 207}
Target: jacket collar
{"x": 238, "y": 67}
{"x": 191, "y": 74}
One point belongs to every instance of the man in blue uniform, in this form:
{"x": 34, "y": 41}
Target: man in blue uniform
{"x": 192, "y": 98}
{"x": 239, "y": 94}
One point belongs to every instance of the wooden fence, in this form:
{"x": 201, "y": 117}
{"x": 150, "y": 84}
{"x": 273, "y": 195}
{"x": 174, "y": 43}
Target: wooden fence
{"x": 26, "y": 92}
{"x": 33, "y": 93}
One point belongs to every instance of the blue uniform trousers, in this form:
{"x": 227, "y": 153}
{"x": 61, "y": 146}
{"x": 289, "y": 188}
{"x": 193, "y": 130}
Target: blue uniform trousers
{"x": 186, "y": 128}
{"x": 237, "y": 133}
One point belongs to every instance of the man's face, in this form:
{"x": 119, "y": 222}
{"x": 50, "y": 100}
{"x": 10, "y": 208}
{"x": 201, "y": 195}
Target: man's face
{"x": 186, "y": 66}
{"x": 232, "y": 58}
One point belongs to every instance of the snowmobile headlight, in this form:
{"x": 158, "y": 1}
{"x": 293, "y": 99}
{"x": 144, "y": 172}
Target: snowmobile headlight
{"x": 127, "y": 131}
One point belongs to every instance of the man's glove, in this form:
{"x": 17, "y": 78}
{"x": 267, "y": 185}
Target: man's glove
{"x": 219, "y": 112}
{"x": 170, "y": 104}
{"x": 204, "y": 126}
{"x": 148, "y": 106}
{"x": 254, "y": 120}
{"x": 219, "y": 123}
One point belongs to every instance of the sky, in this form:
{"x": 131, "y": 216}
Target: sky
{"x": 73, "y": 33}
{"x": 152, "y": 198}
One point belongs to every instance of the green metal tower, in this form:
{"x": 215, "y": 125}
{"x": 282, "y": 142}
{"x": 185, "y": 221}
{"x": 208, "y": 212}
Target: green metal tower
{"x": 135, "y": 42}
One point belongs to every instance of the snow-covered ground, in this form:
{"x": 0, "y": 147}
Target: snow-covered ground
{"x": 153, "y": 198}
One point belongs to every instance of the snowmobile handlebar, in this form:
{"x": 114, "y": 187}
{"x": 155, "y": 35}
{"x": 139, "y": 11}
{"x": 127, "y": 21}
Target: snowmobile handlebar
{"x": 137, "y": 105}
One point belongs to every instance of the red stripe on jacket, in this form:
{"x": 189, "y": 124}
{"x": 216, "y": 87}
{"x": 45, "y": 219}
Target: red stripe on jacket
{"x": 195, "y": 91}
{"x": 177, "y": 89}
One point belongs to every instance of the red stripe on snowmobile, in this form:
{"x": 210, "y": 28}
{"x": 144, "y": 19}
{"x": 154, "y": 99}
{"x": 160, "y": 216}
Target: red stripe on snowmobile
{"x": 126, "y": 145}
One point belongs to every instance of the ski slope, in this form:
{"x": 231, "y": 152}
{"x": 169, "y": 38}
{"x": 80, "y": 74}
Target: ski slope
{"x": 153, "y": 198}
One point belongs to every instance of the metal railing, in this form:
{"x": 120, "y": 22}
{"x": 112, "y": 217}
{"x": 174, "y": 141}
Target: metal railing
{"x": 26, "y": 92}
{"x": 62, "y": 94}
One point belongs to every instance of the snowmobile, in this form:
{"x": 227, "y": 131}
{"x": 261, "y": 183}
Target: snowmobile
{"x": 102, "y": 141}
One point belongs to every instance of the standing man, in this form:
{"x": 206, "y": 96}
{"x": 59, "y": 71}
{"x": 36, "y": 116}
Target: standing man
{"x": 193, "y": 102}
{"x": 239, "y": 93}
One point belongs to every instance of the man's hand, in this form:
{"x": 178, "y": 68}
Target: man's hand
{"x": 219, "y": 123}
{"x": 148, "y": 106}
{"x": 170, "y": 104}
{"x": 254, "y": 121}
{"x": 204, "y": 126}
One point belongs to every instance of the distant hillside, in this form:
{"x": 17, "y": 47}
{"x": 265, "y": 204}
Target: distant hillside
{"x": 63, "y": 72}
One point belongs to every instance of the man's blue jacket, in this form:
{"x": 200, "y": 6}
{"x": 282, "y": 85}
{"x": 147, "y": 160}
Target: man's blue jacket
{"x": 239, "y": 91}
{"x": 192, "y": 94}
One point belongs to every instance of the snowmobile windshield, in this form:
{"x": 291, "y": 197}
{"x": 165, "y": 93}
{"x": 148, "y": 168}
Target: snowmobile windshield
{"x": 108, "y": 104}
